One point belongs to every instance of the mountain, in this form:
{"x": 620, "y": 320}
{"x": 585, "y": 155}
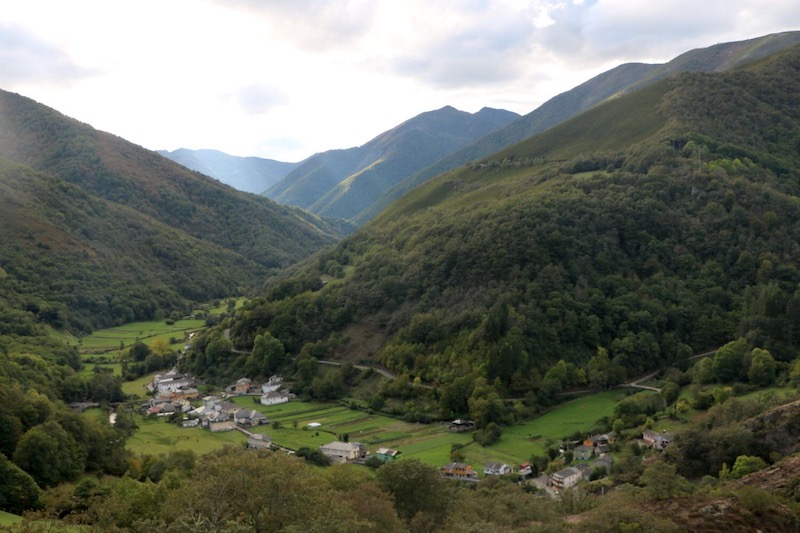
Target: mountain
{"x": 342, "y": 183}
{"x": 656, "y": 225}
{"x": 98, "y": 231}
{"x": 248, "y": 174}
{"x": 620, "y": 80}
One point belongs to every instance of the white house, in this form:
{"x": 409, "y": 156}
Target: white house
{"x": 564, "y": 479}
{"x": 274, "y": 398}
{"x": 496, "y": 469}
{"x": 342, "y": 452}
{"x": 273, "y": 383}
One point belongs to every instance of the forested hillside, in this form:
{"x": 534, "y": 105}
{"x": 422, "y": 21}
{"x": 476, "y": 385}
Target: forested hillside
{"x": 649, "y": 228}
{"x": 620, "y": 80}
{"x": 118, "y": 171}
{"x": 98, "y": 231}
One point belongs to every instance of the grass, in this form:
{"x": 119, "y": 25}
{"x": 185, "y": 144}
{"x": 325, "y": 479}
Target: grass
{"x": 156, "y": 437}
{"x": 136, "y": 387}
{"x": 109, "y": 340}
{"x": 430, "y": 443}
{"x": 8, "y": 519}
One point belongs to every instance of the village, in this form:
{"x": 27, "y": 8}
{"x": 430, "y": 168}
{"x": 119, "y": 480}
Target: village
{"x": 176, "y": 395}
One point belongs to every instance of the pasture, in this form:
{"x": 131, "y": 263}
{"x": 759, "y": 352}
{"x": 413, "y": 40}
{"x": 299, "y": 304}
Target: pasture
{"x": 8, "y": 519}
{"x": 155, "y": 436}
{"x": 108, "y": 340}
{"x": 430, "y": 443}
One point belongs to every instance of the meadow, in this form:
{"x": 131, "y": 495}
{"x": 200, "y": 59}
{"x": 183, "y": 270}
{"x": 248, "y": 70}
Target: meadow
{"x": 430, "y": 443}
{"x": 8, "y": 519}
{"x": 113, "y": 339}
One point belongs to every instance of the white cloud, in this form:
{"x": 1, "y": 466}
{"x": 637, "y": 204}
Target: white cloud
{"x": 286, "y": 78}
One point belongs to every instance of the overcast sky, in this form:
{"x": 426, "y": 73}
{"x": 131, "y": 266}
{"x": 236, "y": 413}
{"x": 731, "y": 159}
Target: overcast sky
{"x": 284, "y": 79}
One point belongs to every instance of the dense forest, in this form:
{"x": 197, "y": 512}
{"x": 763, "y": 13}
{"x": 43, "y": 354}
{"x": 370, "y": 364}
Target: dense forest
{"x": 649, "y": 229}
{"x": 98, "y": 231}
{"x": 521, "y": 274}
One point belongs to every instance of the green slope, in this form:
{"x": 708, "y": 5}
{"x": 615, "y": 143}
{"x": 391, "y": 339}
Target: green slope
{"x": 655, "y": 225}
{"x": 620, "y": 80}
{"x": 112, "y": 168}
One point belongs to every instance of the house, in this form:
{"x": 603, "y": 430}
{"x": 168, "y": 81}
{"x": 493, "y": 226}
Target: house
{"x": 600, "y": 443}
{"x": 217, "y": 427}
{"x": 273, "y": 383}
{"x": 184, "y": 393}
{"x": 583, "y": 452}
{"x": 524, "y": 471}
{"x": 259, "y": 441}
{"x": 210, "y": 401}
{"x": 497, "y": 469}
{"x": 586, "y": 471}
{"x": 226, "y": 407}
{"x": 564, "y": 479}
{"x": 274, "y": 398}
{"x": 242, "y": 386}
{"x": 459, "y": 471}
{"x": 249, "y": 418}
{"x": 343, "y": 452}
{"x": 656, "y": 440}
{"x": 460, "y": 425}
{"x": 386, "y": 454}
{"x": 607, "y": 461}
{"x": 214, "y": 417}
{"x": 163, "y": 409}
{"x": 190, "y": 422}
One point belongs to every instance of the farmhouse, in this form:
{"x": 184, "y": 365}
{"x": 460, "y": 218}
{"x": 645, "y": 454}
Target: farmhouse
{"x": 249, "y": 418}
{"x": 240, "y": 387}
{"x": 459, "y": 471}
{"x": 460, "y": 425}
{"x": 190, "y": 422}
{"x": 342, "y": 452}
{"x": 564, "y": 479}
{"x": 274, "y": 398}
{"x": 497, "y": 469}
{"x": 273, "y": 383}
{"x": 386, "y": 454}
{"x": 583, "y": 452}
{"x": 656, "y": 440}
{"x": 259, "y": 441}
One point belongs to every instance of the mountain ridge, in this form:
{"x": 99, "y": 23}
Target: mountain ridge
{"x": 328, "y": 183}
{"x": 249, "y": 174}
{"x": 613, "y": 83}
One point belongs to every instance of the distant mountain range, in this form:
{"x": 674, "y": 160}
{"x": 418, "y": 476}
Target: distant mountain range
{"x": 618, "y": 81}
{"x": 342, "y": 183}
{"x": 358, "y": 183}
{"x": 248, "y": 174}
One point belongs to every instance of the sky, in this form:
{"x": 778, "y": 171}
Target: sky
{"x": 284, "y": 79}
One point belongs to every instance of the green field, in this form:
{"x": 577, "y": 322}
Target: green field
{"x": 109, "y": 340}
{"x": 136, "y": 387}
{"x": 155, "y": 437}
{"x": 8, "y": 519}
{"x": 430, "y": 443}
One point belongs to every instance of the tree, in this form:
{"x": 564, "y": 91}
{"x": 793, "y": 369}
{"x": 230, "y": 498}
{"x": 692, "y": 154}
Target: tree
{"x": 18, "y": 490}
{"x": 762, "y": 368}
{"x": 661, "y": 480}
{"x": 49, "y": 454}
{"x": 416, "y": 488}
{"x": 729, "y": 360}
{"x": 746, "y": 464}
{"x": 254, "y": 490}
{"x": 139, "y": 351}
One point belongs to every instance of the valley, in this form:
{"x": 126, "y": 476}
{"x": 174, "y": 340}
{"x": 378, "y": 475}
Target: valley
{"x": 613, "y": 301}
